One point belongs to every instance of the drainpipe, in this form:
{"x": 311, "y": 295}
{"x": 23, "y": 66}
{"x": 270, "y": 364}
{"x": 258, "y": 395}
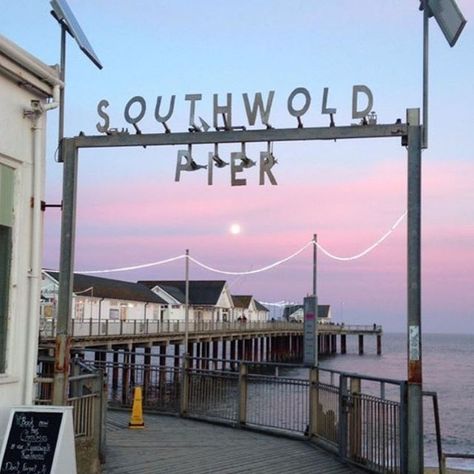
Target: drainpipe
{"x": 35, "y": 114}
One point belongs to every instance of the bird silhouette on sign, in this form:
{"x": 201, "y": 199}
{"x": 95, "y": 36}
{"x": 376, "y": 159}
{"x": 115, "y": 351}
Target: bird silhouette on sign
{"x": 218, "y": 161}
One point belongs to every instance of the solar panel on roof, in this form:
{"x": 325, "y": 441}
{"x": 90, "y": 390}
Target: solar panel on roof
{"x": 64, "y": 13}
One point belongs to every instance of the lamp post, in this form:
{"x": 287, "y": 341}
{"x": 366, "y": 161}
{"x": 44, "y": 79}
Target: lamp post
{"x": 186, "y": 303}
{"x": 451, "y": 22}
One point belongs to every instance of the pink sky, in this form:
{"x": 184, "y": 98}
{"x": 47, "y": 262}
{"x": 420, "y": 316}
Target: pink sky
{"x": 138, "y": 222}
{"x": 131, "y": 211}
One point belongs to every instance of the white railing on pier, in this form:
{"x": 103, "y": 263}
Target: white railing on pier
{"x": 144, "y": 327}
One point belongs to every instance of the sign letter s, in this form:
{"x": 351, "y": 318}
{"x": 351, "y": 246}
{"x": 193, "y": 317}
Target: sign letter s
{"x": 100, "y": 106}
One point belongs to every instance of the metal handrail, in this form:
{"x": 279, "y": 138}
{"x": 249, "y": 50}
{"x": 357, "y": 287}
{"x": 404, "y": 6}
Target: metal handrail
{"x": 442, "y": 456}
{"x": 95, "y": 327}
{"x": 343, "y": 413}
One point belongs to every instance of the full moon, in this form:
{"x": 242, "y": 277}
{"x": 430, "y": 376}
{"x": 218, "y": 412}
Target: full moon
{"x": 235, "y": 229}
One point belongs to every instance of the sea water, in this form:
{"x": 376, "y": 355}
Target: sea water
{"x": 448, "y": 369}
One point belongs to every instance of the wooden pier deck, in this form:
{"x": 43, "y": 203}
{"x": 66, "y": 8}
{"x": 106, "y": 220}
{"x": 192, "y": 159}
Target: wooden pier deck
{"x": 184, "y": 446}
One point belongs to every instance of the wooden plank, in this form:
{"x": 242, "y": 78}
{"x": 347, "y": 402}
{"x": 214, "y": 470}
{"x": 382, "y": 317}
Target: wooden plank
{"x": 169, "y": 444}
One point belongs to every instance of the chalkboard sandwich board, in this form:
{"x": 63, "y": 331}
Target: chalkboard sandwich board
{"x": 35, "y": 441}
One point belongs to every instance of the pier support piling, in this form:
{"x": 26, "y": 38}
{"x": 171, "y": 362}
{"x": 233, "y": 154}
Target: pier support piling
{"x": 343, "y": 344}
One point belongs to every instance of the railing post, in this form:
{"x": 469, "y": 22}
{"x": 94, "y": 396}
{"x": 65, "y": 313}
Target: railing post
{"x": 103, "y": 401}
{"x": 342, "y": 434}
{"x": 134, "y": 327}
{"x": 146, "y": 326}
{"x": 121, "y": 327}
{"x": 442, "y": 466}
{"x": 313, "y": 401}
{"x": 97, "y": 412}
{"x": 355, "y": 427}
{"x": 403, "y": 427}
{"x": 106, "y": 327}
{"x": 184, "y": 402}
{"x": 441, "y": 458}
{"x": 243, "y": 372}
{"x": 90, "y": 327}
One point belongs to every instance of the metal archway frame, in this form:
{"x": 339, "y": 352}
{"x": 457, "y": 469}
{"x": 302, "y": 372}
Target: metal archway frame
{"x": 411, "y": 135}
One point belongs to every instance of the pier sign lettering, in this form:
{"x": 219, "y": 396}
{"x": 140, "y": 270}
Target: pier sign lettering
{"x": 222, "y": 116}
{"x": 30, "y": 443}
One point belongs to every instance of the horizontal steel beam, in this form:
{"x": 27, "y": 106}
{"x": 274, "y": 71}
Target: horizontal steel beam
{"x": 241, "y": 136}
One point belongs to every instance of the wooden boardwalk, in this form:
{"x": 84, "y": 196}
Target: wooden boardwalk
{"x": 176, "y": 445}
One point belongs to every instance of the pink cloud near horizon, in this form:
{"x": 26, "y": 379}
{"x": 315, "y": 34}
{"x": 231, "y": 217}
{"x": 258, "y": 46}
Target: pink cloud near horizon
{"x": 124, "y": 224}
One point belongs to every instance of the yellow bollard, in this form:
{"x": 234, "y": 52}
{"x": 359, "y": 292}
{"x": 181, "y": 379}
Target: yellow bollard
{"x": 136, "y": 420}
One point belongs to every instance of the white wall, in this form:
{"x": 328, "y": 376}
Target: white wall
{"x": 176, "y": 310}
{"x": 87, "y": 307}
{"x": 251, "y": 313}
{"x": 103, "y": 308}
{"x": 16, "y": 151}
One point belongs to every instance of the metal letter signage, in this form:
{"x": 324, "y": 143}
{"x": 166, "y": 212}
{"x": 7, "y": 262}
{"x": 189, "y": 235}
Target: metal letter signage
{"x": 221, "y": 113}
{"x": 258, "y": 107}
{"x": 355, "y": 95}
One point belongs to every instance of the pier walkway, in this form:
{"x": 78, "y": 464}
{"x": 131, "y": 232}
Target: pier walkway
{"x": 177, "y": 445}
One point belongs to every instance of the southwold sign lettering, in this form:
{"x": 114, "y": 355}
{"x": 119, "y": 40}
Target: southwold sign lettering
{"x": 222, "y": 122}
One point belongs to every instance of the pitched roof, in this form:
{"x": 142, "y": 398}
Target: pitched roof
{"x": 289, "y": 310}
{"x": 201, "y": 292}
{"x": 113, "y": 289}
{"x": 261, "y": 307}
{"x": 241, "y": 301}
{"x": 323, "y": 310}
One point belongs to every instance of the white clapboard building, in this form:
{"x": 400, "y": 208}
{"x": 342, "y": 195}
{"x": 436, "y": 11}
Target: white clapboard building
{"x": 102, "y": 299}
{"x": 209, "y": 300}
{"x": 28, "y": 89}
{"x": 247, "y": 308}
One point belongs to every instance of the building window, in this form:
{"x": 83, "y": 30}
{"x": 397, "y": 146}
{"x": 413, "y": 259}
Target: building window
{"x": 6, "y": 224}
{"x": 79, "y": 316}
{"x": 123, "y": 312}
{"x": 113, "y": 314}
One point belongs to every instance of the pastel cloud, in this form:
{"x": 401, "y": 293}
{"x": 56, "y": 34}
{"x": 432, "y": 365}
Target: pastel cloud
{"x": 126, "y": 224}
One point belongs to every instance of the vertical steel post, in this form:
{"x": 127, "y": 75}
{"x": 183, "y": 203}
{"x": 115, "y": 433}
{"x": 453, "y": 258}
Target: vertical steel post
{"x": 315, "y": 293}
{"x": 62, "y": 91}
{"x": 403, "y": 427}
{"x": 184, "y": 401}
{"x": 315, "y": 262}
{"x": 66, "y": 272}
{"x": 414, "y": 389}
{"x": 243, "y": 392}
{"x": 313, "y": 401}
{"x": 186, "y": 301}
{"x": 342, "y": 431}
{"x": 426, "y": 32}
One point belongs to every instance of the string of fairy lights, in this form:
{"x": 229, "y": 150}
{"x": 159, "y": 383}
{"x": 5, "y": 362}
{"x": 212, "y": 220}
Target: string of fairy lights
{"x": 277, "y": 304}
{"x": 261, "y": 269}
